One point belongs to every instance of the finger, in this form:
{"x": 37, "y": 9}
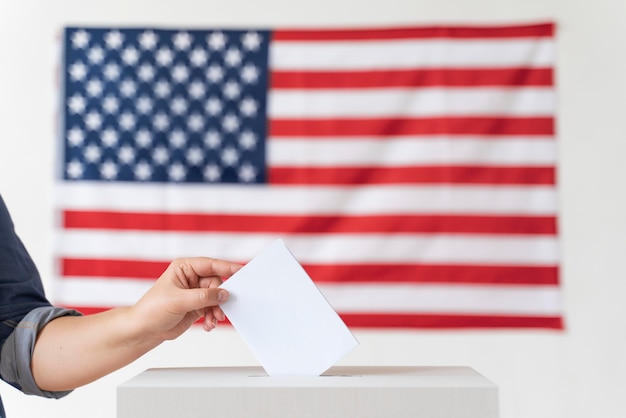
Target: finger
{"x": 207, "y": 267}
{"x": 200, "y": 298}
{"x": 210, "y": 321}
{"x": 211, "y": 282}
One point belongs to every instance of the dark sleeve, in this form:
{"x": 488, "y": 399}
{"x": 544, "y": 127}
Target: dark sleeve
{"x": 24, "y": 309}
{"x": 21, "y": 289}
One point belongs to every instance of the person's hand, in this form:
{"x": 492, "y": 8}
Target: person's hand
{"x": 186, "y": 291}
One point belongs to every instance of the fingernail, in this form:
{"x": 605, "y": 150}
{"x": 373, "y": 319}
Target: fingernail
{"x": 222, "y": 296}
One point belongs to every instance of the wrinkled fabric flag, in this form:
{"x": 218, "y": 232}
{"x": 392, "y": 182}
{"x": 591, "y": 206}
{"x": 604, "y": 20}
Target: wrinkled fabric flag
{"x": 411, "y": 170}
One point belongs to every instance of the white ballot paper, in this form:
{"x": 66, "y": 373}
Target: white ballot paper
{"x": 283, "y": 317}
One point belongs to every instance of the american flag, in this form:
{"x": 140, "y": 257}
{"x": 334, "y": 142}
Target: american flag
{"x": 410, "y": 170}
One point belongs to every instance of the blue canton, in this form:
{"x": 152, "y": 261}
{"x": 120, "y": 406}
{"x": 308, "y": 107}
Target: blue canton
{"x": 157, "y": 105}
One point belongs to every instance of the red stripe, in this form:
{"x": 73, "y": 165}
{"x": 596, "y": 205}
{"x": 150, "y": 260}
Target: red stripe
{"x": 423, "y": 126}
{"x": 462, "y": 32}
{"x": 362, "y": 273}
{"x": 411, "y": 175}
{"x": 449, "y": 321}
{"x": 136, "y": 269}
{"x": 424, "y": 273}
{"x": 442, "y": 321}
{"x": 412, "y": 78}
{"x": 310, "y": 224}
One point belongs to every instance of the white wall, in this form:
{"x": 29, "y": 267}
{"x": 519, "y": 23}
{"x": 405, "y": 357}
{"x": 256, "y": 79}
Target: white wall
{"x": 576, "y": 373}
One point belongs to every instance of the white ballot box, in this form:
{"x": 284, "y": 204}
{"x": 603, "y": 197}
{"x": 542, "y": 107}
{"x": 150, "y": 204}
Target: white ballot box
{"x": 342, "y": 392}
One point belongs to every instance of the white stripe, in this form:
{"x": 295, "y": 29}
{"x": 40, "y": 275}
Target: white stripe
{"x": 392, "y": 151}
{"x": 354, "y": 298}
{"x": 99, "y": 292}
{"x": 239, "y": 199}
{"x": 425, "y": 102}
{"x": 426, "y": 298}
{"x": 317, "y": 249}
{"x": 438, "y": 53}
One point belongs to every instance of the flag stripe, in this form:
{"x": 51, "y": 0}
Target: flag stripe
{"x": 413, "y": 298}
{"x": 412, "y": 175}
{"x": 470, "y": 125}
{"x": 388, "y": 273}
{"x": 295, "y": 200}
{"x": 414, "y": 77}
{"x": 390, "y": 151}
{"x": 446, "y": 321}
{"x": 419, "y": 102}
{"x": 309, "y": 224}
{"x": 514, "y": 31}
{"x": 358, "y": 55}
{"x": 533, "y": 250}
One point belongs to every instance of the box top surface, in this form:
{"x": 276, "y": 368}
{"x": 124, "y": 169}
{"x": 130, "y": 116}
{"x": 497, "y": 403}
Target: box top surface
{"x": 335, "y": 377}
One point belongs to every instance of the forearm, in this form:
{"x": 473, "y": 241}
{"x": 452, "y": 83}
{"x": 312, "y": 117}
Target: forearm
{"x": 73, "y": 351}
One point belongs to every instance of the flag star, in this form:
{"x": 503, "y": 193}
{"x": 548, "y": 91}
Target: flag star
{"x": 195, "y": 123}
{"x": 197, "y": 90}
{"x": 229, "y": 156}
{"x": 130, "y": 55}
{"x": 160, "y": 155}
{"x": 212, "y": 172}
{"x": 148, "y": 40}
{"x": 180, "y": 73}
{"x": 248, "y": 107}
{"x": 144, "y": 105}
{"x": 250, "y": 73}
{"x": 76, "y": 103}
{"x": 127, "y": 121}
{"x": 232, "y": 90}
{"x": 161, "y": 121}
{"x": 126, "y": 154}
{"x": 230, "y": 123}
{"x": 78, "y": 71}
{"x": 143, "y": 171}
{"x": 212, "y": 139}
{"x": 108, "y": 170}
{"x": 143, "y": 138}
{"x": 247, "y": 173}
{"x": 114, "y": 39}
{"x": 75, "y": 169}
{"x": 95, "y": 54}
{"x": 162, "y": 89}
{"x": 182, "y": 41}
{"x": 109, "y": 137}
{"x": 213, "y": 106}
{"x": 251, "y": 41}
{"x": 177, "y": 139}
{"x": 164, "y": 56}
{"x": 146, "y": 72}
{"x": 112, "y": 71}
{"x": 195, "y": 155}
{"x": 217, "y": 40}
{"x": 215, "y": 73}
{"x": 233, "y": 57}
{"x": 248, "y": 140}
{"x": 80, "y": 39}
{"x": 94, "y": 87}
{"x": 92, "y": 153}
{"x": 198, "y": 57}
{"x": 110, "y": 104}
{"x": 128, "y": 88}
{"x": 93, "y": 120}
{"x": 75, "y": 137}
{"x": 178, "y": 105}
{"x": 177, "y": 172}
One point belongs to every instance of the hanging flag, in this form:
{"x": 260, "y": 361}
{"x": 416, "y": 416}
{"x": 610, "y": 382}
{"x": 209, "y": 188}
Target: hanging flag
{"x": 410, "y": 170}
